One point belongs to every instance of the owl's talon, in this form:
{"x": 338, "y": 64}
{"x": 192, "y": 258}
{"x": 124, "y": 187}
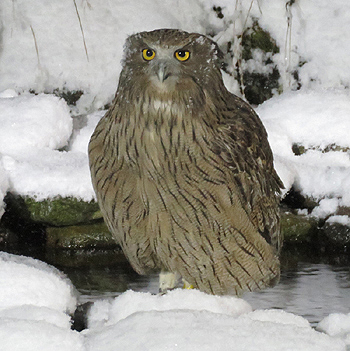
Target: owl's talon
{"x": 187, "y": 285}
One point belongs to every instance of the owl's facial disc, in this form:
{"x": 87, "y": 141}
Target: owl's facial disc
{"x": 162, "y": 67}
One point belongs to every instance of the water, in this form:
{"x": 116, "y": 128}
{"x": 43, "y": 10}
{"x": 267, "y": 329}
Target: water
{"x": 309, "y": 287}
{"x": 311, "y": 290}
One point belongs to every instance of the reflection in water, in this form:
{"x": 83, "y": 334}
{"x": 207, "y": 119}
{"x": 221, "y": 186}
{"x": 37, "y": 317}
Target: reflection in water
{"x": 306, "y": 289}
{"x": 313, "y": 291}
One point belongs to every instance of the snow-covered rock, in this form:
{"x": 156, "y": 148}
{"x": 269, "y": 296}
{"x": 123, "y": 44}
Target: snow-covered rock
{"x": 35, "y": 300}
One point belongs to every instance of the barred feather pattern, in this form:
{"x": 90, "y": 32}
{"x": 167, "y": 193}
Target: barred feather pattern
{"x": 186, "y": 184}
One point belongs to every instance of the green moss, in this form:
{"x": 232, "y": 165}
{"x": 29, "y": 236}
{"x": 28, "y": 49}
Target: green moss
{"x": 297, "y": 228}
{"x": 60, "y": 211}
{"x": 257, "y": 38}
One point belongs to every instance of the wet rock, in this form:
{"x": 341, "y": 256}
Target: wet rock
{"x": 94, "y": 235}
{"x": 337, "y": 230}
{"x": 84, "y": 258}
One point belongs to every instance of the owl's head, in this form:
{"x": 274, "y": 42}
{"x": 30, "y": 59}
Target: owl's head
{"x": 168, "y": 60}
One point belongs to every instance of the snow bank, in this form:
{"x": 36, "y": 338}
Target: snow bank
{"x": 33, "y": 127}
{"x": 315, "y": 44}
{"x": 4, "y": 186}
{"x": 131, "y": 302}
{"x": 190, "y": 320}
{"x": 336, "y": 325}
{"x": 26, "y": 281}
{"x": 318, "y": 120}
{"x": 41, "y": 54}
{"x": 34, "y": 301}
{"x": 33, "y": 121}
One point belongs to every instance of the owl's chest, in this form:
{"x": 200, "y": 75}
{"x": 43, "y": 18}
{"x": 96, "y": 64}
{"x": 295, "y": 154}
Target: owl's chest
{"x": 161, "y": 145}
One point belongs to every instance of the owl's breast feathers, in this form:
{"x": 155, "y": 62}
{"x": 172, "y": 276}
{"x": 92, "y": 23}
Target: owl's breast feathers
{"x": 190, "y": 190}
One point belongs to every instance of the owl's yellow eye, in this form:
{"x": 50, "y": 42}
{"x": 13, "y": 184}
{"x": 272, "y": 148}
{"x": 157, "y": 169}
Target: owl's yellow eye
{"x": 182, "y": 55}
{"x": 148, "y": 54}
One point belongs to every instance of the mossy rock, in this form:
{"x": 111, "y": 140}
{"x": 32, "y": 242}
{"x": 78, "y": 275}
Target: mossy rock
{"x": 256, "y": 38}
{"x": 94, "y": 235}
{"x": 58, "y": 211}
{"x": 299, "y": 149}
{"x": 298, "y": 228}
{"x": 259, "y": 87}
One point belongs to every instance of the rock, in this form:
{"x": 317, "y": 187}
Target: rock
{"x": 298, "y": 229}
{"x": 337, "y": 230}
{"x": 88, "y": 236}
{"x": 299, "y": 149}
{"x": 295, "y": 200}
{"x": 259, "y": 86}
{"x": 84, "y": 259}
{"x": 57, "y": 211}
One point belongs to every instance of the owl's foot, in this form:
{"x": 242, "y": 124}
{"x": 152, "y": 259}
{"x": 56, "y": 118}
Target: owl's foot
{"x": 168, "y": 281}
{"x": 187, "y": 285}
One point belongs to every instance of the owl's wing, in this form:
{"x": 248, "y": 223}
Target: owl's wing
{"x": 242, "y": 144}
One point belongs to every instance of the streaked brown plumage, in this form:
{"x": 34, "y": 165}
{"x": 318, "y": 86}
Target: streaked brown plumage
{"x": 183, "y": 171}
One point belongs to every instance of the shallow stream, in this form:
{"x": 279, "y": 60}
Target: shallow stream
{"x": 311, "y": 287}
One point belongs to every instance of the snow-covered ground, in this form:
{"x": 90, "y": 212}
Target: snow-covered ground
{"x": 36, "y": 299}
{"x": 55, "y": 45}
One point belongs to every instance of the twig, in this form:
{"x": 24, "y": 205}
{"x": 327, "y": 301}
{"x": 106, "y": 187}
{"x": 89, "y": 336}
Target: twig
{"x": 36, "y": 46}
{"x": 288, "y": 43}
{"x": 82, "y": 30}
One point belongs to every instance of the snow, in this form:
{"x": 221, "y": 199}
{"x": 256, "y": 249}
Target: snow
{"x": 35, "y": 300}
{"x": 336, "y": 325}
{"x": 39, "y": 122}
{"x": 19, "y": 274}
{"x": 42, "y": 54}
{"x": 204, "y": 330}
{"x": 33, "y": 128}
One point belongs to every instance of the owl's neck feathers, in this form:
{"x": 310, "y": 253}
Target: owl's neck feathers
{"x": 158, "y": 127}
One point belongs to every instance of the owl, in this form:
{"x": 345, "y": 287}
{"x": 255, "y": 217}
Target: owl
{"x": 183, "y": 171}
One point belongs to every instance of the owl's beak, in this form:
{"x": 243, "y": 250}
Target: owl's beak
{"x": 163, "y": 72}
